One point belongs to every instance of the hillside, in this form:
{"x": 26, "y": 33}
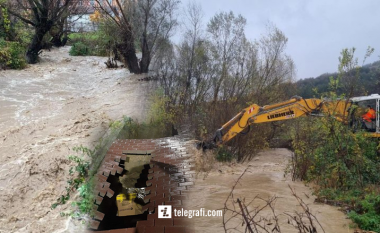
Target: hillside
{"x": 369, "y": 82}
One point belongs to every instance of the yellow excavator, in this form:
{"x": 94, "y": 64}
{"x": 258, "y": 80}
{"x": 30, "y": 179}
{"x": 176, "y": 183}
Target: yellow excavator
{"x": 347, "y": 111}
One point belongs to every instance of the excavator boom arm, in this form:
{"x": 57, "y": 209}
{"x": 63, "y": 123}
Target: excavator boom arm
{"x": 293, "y": 108}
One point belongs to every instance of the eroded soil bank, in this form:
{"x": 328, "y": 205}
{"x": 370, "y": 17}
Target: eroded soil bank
{"x": 46, "y": 110}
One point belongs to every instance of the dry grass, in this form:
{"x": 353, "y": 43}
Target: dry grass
{"x": 205, "y": 161}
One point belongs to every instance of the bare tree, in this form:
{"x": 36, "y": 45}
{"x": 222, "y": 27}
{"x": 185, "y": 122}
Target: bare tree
{"x": 42, "y": 15}
{"x": 117, "y": 14}
{"x": 190, "y": 52}
{"x": 214, "y": 73}
{"x": 305, "y": 221}
{"x": 226, "y": 32}
{"x": 144, "y": 22}
{"x": 349, "y": 70}
{"x": 156, "y": 19}
{"x": 253, "y": 220}
{"x": 274, "y": 66}
{"x": 166, "y": 66}
{"x": 59, "y": 32}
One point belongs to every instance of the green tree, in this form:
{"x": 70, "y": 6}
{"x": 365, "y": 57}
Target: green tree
{"x": 42, "y": 15}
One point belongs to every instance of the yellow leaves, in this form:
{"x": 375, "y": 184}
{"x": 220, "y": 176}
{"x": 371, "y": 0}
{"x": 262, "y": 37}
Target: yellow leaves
{"x": 5, "y": 56}
{"x": 6, "y": 21}
{"x": 161, "y": 111}
{"x": 232, "y": 99}
{"x": 115, "y": 125}
{"x": 96, "y": 17}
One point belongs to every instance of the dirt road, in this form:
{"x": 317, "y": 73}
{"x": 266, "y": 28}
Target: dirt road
{"x": 46, "y": 110}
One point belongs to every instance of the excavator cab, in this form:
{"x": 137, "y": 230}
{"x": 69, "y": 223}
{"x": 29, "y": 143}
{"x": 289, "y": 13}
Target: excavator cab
{"x": 364, "y": 103}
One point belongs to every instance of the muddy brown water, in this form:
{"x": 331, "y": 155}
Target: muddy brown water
{"x": 265, "y": 179}
{"x": 64, "y": 101}
{"x": 46, "y": 110}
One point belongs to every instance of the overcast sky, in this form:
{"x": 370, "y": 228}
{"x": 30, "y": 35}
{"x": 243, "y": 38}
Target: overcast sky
{"x": 317, "y": 30}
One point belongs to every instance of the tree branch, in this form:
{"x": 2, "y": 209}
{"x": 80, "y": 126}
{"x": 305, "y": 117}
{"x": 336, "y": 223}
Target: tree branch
{"x": 18, "y": 15}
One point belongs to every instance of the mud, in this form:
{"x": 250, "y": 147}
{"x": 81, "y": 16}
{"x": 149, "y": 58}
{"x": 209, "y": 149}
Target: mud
{"x": 265, "y": 179}
{"x": 46, "y": 110}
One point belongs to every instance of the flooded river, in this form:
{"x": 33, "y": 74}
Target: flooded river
{"x": 265, "y": 179}
{"x": 46, "y": 110}
{"x": 64, "y": 101}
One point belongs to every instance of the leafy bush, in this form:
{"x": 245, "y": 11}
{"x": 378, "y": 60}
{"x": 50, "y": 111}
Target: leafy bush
{"x": 77, "y": 181}
{"x": 11, "y": 55}
{"x": 161, "y": 111}
{"x": 5, "y": 23}
{"x": 23, "y": 33}
{"x": 224, "y": 155}
{"x": 367, "y": 213}
{"x": 344, "y": 165}
{"x": 98, "y": 41}
{"x": 79, "y": 49}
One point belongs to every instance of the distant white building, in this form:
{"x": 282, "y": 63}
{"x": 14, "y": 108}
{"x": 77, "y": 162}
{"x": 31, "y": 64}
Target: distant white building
{"x": 80, "y": 21}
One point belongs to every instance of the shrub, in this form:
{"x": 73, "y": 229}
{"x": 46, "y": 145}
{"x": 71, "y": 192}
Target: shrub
{"x": 97, "y": 41}
{"x": 79, "y": 49}
{"x": 224, "y": 155}
{"x": 24, "y": 33}
{"x": 344, "y": 165}
{"x": 328, "y": 153}
{"x": 161, "y": 111}
{"x": 367, "y": 213}
{"x": 11, "y": 55}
